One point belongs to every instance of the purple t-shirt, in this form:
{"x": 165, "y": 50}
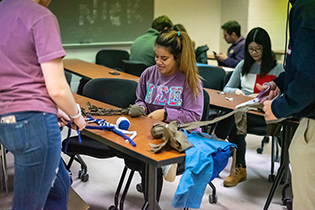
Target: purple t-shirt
{"x": 29, "y": 36}
{"x": 156, "y": 91}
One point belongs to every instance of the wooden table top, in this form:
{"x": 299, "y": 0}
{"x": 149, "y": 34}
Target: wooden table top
{"x": 218, "y": 99}
{"x": 140, "y": 124}
{"x": 210, "y": 56}
{"x": 93, "y": 71}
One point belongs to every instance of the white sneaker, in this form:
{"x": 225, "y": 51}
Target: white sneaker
{"x": 169, "y": 172}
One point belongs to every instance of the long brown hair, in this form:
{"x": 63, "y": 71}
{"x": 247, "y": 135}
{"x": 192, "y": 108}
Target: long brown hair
{"x": 180, "y": 46}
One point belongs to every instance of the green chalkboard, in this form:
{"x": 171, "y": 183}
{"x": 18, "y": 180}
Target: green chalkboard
{"x": 102, "y": 21}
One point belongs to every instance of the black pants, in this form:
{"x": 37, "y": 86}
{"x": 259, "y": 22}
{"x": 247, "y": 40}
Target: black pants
{"x": 227, "y": 129}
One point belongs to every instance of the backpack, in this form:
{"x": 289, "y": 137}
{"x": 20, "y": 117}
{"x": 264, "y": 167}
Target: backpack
{"x": 201, "y": 54}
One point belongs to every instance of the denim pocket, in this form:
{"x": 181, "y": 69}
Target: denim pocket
{"x": 15, "y": 136}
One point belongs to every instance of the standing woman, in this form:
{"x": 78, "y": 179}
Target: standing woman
{"x": 171, "y": 90}
{"x": 32, "y": 88}
{"x": 258, "y": 66}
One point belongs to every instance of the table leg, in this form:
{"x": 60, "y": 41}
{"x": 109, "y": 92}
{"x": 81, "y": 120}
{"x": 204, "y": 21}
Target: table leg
{"x": 288, "y": 132}
{"x": 150, "y": 188}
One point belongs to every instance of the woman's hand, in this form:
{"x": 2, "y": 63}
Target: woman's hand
{"x": 79, "y": 123}
{"x": 157, "y": 114}
{"x": 274, "y": 90}
{"x": 239, "y": 92}
{"x": 63, "y": 118}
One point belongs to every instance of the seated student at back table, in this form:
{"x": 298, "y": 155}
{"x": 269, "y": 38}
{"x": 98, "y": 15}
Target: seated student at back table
{"x": 142, "y": 49}
{"x": 235, "y": 53}
{"x": 181, "y": 27}
{"x": 259, "y": 66}
{"x": 171, "y": 89}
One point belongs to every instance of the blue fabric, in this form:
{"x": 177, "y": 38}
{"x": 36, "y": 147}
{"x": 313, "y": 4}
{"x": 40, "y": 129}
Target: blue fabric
{"x": 203, "y": 163}
{"x": 202, "y": 64}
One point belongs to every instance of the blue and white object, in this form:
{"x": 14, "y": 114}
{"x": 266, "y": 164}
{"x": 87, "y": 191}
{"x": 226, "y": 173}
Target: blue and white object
{"x": 123, "y": 123}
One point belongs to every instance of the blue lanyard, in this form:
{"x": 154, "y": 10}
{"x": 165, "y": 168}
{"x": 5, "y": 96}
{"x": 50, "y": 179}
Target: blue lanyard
{"x": 64, "y": 149}
{"x": 103, "y": 125}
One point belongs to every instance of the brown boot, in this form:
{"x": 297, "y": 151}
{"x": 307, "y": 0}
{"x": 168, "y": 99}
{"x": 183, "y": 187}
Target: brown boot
{"x": 234, "y": 178}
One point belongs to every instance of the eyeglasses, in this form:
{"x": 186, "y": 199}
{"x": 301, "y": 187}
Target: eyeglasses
{"x": 257, "y": 50}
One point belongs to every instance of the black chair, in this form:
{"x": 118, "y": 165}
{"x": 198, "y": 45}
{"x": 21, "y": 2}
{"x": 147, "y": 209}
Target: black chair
{"x": 206, "y": 108}
{"x": 134, "y": 67}
{"x": 261, "y": 130}
{"x": 4, "y": 174}
{"x": 112, "y": 58}
{"x": 213, "y": 77}
{"x": 68, "y": 77}
{"x": 227, "y": 78}
{"x": 109, "y": 58}
{"x": 205, "y": 116}
{"x": 116, "y": 92}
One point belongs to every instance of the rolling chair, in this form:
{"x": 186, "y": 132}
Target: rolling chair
{"x": 275, "y": 139}
{"x": 213, "y": 77}
{"x": 68, "y": 77}
{"x": 109, "y": 58}
{"x": 112, "y": 58}
{"x": 4, "y": 170}
{"x": 116, "y": 92}
{"x": 205, "y": 116}
{"x": 133, "y": 67}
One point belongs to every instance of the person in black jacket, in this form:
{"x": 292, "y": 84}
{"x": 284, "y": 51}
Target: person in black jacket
{"x": 297, "y": 84}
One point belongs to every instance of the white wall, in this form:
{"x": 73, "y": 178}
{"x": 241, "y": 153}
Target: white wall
{"x": 233, "y": 10}
{"x": 203, "y": 20}
{"x": 270, "y": 15}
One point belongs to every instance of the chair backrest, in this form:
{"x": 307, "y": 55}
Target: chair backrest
{"x": 116, "y": 92}
{"x": 213, "y": 77}
{"x": 206, "y": 106}
{"x": 112, "y": 58}
{"x": 133, "y": 67}
{"x": 227, "y": 78}
{"x": 68, "y": 77}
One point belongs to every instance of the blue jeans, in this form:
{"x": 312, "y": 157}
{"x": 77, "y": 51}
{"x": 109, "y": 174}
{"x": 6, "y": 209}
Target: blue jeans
{"x": 41, "y": 180}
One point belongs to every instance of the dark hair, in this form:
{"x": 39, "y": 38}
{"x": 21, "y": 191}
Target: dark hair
{"x": 232, "y": 26}
{"x": 268, "y": 61}
{"x": 179, "y": 27}
{"x": 179, "y": 45}
{"x": 162, "y": 22}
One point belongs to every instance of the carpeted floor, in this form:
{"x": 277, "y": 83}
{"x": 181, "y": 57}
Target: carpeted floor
{"x": 104, "y": 174}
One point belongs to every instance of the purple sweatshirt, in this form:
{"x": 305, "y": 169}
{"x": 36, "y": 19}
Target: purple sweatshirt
{"x": 156, "y": 91}
{"x": 235, "y": 54}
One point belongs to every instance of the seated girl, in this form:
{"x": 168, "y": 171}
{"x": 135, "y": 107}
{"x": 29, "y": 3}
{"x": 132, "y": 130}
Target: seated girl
{"x": 259, "y": 66}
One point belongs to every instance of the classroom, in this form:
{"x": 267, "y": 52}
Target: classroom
{"x": 264, "y": 188}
